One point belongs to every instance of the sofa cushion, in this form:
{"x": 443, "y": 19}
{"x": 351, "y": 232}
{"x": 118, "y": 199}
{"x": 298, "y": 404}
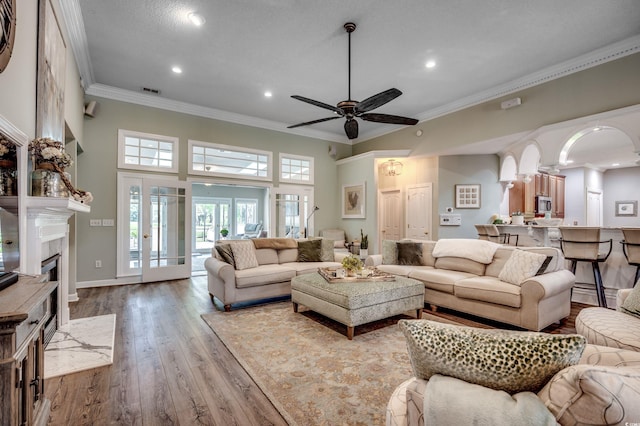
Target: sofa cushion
{"x": 479, "y": 250}
{"x": 309, "y": 267}
{"x": 631, "y": 304}
{"x": 288, "y": 255}
{"x": 266, "y": 256}
{"x": 499, "y": 259}
{"x": 263, "y": 275}
{"x": 513, "y": 361}
{"x": 327, "y": 253}
{"x": 226, "y": 254}
{"x": 438, "y": 279}
{"x": 389, "y": 252}
{"x": 589, "y": 394}
{"x": 309, "y": 251}
{"x": 409, "y": 253}
{"x": 460, "y": 264}
{"x": 488, "y": 289}
{"x": 521, "y": 266}
{"x": 244, "y": 255}
{"x": 403, "y": 270}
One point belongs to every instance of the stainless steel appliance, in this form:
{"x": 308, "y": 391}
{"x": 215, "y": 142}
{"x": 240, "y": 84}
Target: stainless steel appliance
{"x": 543, "y": 205}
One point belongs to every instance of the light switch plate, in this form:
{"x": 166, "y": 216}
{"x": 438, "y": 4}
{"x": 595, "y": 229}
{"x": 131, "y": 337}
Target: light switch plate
{"x": 95, "y": 222}
{"x": 450, "y": 220}
{"x": 107, "y": 222}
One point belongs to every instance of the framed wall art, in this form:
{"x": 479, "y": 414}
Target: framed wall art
{"x": 7, "y": 32}
{"x": 627, "y": 208}
{"x": 468, "y": 196}
{"x": 353, "y": 201}
{"x": 51, "y": 75}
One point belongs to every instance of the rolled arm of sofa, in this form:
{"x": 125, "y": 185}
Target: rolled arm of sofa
{"x": 373, "y": 260}
{"x": 221, "y": 279}
{"x": 547, "y": 285}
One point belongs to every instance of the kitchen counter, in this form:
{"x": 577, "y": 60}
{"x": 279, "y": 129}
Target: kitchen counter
{"x": 616, "y": 272}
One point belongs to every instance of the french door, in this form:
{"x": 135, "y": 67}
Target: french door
{"x": 154, "y": 225}
{"x": 293, "y": 211}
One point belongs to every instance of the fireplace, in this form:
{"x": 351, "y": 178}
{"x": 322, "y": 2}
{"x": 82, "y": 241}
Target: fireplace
{"x": 50, "y": 267}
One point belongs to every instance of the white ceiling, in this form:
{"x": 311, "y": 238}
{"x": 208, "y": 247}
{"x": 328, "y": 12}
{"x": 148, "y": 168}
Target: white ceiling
{"x": 483, "y": 49}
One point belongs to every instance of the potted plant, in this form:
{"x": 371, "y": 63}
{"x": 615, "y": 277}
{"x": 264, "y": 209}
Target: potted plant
{"x": 364, "y": 245}
{"x": 224, "y": 232}
{"x": 517, "y": 218}
{"x": 351, "y": 264}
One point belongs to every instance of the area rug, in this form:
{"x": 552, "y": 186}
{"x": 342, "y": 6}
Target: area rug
{"x": 307, "y": 367}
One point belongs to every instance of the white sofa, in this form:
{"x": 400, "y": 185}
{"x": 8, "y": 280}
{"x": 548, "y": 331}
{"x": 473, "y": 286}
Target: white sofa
{"x": 277, "y": 260}
{"x": 458, "y": 282}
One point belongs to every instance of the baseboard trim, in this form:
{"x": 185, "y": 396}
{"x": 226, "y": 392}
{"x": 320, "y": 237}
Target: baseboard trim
{"x": 108, "y": 283}
{"x": 588, "y": 296}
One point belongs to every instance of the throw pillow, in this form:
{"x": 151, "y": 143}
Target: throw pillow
{"x": 521, "y": 266}
{"x": 513, "y": 361}
{"x": 326, "y": 250}
{"x": 409, "y": 253}
{"x": 310, "y": 251}
{"x": 244, "y": 255}
{"x": 631, "y": 304}
{"x": 389, "y": 252}
{"x": 224, "y": 251}
{"x": 544, "y": 265}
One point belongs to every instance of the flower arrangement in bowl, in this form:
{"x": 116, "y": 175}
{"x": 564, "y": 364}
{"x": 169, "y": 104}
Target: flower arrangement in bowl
{"x": 352, "y": 264}
{"x": 49, "y": 154}
{"x": 7, "y": 150}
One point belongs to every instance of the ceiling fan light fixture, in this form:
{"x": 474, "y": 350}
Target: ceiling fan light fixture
{"x": 392, "y": 168}
{"x": 196, "y": 19}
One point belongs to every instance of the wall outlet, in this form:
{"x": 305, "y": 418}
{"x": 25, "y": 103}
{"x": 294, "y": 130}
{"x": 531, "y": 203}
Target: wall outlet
{"x": 98, "y": 263}
{"x": 95, "y": 222}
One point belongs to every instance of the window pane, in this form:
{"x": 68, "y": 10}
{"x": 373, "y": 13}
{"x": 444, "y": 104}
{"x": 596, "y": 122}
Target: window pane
{"x": 229, "y": 162}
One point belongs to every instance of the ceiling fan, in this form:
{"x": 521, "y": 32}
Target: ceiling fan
{"x": 351, "y": 109}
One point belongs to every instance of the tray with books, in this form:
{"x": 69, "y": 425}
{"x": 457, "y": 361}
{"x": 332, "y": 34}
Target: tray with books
{"x": 329, "y": 274}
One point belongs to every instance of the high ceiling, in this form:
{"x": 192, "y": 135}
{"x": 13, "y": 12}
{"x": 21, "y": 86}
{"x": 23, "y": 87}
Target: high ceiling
{"x": 482, "y": 50}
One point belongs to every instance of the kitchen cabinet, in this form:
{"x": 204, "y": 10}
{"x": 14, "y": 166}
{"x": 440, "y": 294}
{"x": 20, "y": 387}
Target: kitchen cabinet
{"x": 522, "y": 198}
{"x": 556, "y": 192}
{"x": 542, "y": 184}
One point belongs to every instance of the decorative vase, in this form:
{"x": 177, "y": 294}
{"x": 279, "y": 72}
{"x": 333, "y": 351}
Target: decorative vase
{"x": 352, "y": 273}
{"x": 45, "y": 166}
{"x": 8, "y": 182}
{"x": 364, "y": 253}
{"x": 46, "y": 183}
{"x": 517, "y": 220}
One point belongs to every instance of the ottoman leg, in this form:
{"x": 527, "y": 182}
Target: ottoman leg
{"x": 419, "y": 314}
{"x": 350, "y": 331}
{"x": 295, "y": 307}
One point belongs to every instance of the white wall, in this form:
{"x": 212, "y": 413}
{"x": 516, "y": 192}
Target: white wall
{"x": 620, "y": 185}
{"x": 574, "y": 196}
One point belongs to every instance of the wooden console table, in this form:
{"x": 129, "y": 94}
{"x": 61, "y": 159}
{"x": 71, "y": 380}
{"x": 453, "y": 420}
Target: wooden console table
{"x": 25, "y": 308}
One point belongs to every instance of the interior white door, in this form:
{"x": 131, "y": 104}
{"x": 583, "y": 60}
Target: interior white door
{"x": 419, "y": 202}
{"x": 594, "y": 208}
{"x": 390, "y": 215}
{"x": 166, "y": 226}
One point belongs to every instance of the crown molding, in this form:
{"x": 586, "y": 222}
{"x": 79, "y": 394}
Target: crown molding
{"x": 72, "y": 17}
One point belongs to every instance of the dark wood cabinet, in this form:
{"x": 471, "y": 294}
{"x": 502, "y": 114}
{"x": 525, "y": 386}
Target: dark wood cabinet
{"x": 557, "y": 192}
{"x": 522, "y": 197}
{"x": 25, "y": 307}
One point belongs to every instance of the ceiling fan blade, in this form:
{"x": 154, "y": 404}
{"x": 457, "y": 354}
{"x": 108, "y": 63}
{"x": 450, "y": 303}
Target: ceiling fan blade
{"x": 313, "y": 122}
{"x": 390, "y": 119}
{"x": 319, "y": 104}
{"x": 351, "y": 128}
{"x": 378, "y": 100}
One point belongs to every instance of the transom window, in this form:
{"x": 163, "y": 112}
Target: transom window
{"x": 296, "y": 168}
{"x": 145, "y": 151}
{"x": 223, "y": 160}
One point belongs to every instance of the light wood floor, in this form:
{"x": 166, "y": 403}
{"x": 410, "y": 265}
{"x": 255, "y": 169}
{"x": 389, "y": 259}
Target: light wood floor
{"x": 169, "y": 367}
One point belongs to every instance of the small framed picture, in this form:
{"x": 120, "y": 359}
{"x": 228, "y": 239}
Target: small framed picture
{"x": 468, "y": 196}
{"x": 353, "y": 202}
{"x": 627, "y": 208}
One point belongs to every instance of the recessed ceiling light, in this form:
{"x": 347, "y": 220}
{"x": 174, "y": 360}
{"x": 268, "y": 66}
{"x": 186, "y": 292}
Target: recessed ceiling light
{"x": 569, "y": 162}
{"x": 430, "y": 64}
{"x": 196, "y": 19}
{"x": 615, "y": 164}
{"x": 268, "y": 94}
{"x": 177, "y": 70}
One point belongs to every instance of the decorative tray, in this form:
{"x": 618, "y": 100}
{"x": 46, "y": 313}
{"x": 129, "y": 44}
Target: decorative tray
{"x": 329, "y": 274}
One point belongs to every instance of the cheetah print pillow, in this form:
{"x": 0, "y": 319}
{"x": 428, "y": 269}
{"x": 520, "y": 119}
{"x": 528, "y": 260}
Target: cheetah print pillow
{"x": 512, "y": 361}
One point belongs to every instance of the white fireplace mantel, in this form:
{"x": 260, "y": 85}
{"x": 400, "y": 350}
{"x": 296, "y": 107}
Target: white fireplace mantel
{"x": 47, "y": 235}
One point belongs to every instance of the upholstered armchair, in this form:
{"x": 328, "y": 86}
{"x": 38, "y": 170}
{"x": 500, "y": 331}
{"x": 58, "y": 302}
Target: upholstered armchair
{"x": 565, "y": 381}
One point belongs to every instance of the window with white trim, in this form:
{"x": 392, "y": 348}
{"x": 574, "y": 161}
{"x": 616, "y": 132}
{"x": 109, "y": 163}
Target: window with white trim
{"x": 145, "y": 151}
{"x": 211, "y": 159}
{"x": 296, "y": 168}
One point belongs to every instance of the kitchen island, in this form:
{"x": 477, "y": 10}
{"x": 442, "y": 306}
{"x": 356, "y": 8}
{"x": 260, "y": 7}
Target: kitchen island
{"x": 616, "y": 272}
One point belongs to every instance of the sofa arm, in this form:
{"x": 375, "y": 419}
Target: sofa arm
{"x": 621, "y": 295}
{"x": 373, "y": 260}
{"x": 547, "y": 285}
{"x": 221, "y": 279}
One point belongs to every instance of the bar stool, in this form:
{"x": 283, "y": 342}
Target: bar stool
{"x": 482, "y": 232}
{"x": 631, "y": 249}
{"x": 582, "y": 244}
{"x": 493, "y": 234}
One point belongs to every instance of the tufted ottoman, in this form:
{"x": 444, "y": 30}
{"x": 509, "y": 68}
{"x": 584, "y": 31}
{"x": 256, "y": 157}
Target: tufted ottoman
{"x": 357, "y": 303}
{"x": 606, "y": 327}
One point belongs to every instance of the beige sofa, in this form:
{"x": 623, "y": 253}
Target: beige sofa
{"x": 458, "y": 282}
{"x": 261, "y": 269}
{"x": 601, "y": 389}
